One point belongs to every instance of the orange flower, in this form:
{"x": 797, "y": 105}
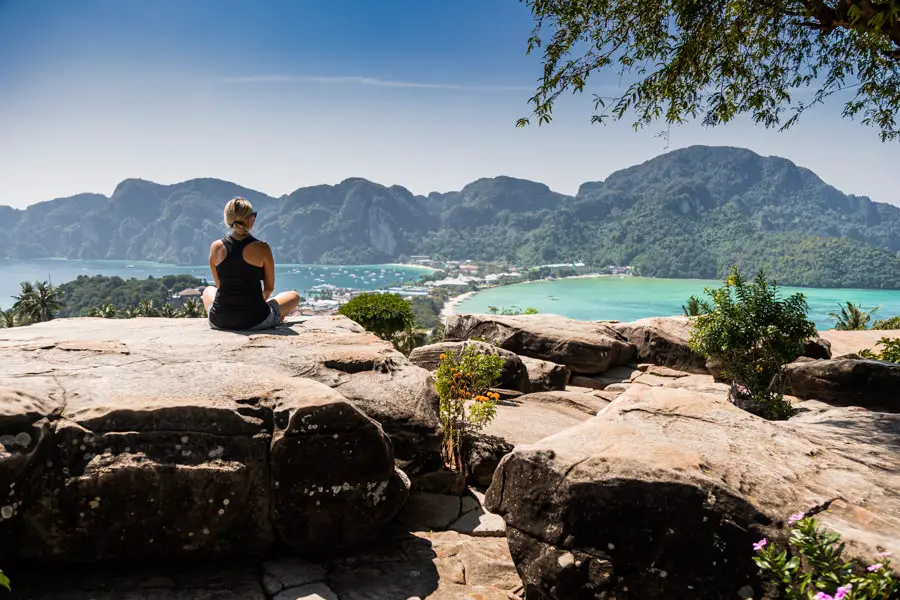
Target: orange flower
{"x": 443, "y": 356}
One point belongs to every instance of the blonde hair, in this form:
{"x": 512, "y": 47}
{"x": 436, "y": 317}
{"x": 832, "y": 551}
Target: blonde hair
{"x": 237, "y": 215}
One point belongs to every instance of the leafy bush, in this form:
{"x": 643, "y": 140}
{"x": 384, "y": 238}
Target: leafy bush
{"x": 463, "y": 383}
{"x": 382, "y": 314}
{"x": 892, "y": 323}
{"x": 752, "y": 333}
{"x": 815, "y": 569}
{"x": 890, "y": 350}
{"x": 4, "y": 581}
{"x": 695, "y": 307}
{"x": 511, "y": 311}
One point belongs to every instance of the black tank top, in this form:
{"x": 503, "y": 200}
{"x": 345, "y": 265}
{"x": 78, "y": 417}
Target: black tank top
{"x": 239, "y": 302}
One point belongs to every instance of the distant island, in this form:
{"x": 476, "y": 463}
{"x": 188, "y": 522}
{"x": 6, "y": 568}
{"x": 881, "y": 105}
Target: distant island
{"x": 690, "y": 213}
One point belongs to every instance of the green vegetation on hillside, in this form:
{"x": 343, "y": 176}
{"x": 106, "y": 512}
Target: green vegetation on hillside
{"x": 718, "y": 59}
{"x": 94, "y": 292}
{"x": 690, "y": 213}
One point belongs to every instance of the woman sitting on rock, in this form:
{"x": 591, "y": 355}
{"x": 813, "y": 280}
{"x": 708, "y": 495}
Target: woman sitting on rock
{"x": 239, "y": 262}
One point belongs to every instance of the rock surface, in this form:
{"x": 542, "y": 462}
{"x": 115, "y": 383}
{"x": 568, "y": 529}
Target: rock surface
{"x": 133, "y": 439}
{"x": 872, "y": 384}
{"x": 532, "y": 417}
{"x": 513, "y": 374}
{"x": 851, "y": 342}
{"x": 663, "y": 341}
{"x": 663, "y": 494}
{"x": 545, "y": 376}
{"x": 581, "y": 346}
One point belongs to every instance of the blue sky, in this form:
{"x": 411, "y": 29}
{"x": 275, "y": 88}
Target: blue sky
{"x": 276, "y": 95}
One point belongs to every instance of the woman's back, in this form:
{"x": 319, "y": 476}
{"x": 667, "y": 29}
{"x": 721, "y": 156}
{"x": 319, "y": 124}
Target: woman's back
{"x": 239, "y": 303}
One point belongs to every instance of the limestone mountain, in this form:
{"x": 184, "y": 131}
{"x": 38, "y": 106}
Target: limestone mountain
{"x": 691, "y": 212}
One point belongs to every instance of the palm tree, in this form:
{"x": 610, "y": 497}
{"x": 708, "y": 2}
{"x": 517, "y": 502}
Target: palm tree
{"x": 167, "y": 310}
{"x": 852, "y": 317}
{"x": 146, "y": 309}
{"x": 107, "y": 311}
{"x": 37, "y": 302}
{"x": 7, "y": 318}
{"x": 126, "y": 313}
{"x": 192, "y": 309}
{"x": 695, "y": 307}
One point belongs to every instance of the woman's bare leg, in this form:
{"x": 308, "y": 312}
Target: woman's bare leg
{"x": 287, "y": 302}
{"x": 209, "y": 295}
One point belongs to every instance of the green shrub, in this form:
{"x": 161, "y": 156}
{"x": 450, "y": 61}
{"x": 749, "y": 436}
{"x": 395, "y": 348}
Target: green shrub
{"x": 890, "y": 351}
{"x": 512, "y": 311}
{"x": 4, "y": 581}
{"x": 813, "y": 567}
{"x": 463, "y": 383}
{"x": 382, "y": 314}
{"x": 892, "y": 323}
{"x": 695, "y": 307}
{"x": 751, "y": 332}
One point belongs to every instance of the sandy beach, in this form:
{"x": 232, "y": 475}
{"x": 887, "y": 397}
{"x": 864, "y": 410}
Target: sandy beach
{"x": 449, "y": 308}
{"x": 423, "y": 267}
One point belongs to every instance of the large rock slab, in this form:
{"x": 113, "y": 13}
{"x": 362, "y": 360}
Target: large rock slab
{"x": 157, "y": 444}
{"x": 545, "y": 376}
{"x": 332, "y": 350}
{"x": 513, "y": 374}
{"x": 663, "y": 494}
{"x": 663, "y": 341}
{"x": 583, "y": 347}
{"x": 872, "y": 384}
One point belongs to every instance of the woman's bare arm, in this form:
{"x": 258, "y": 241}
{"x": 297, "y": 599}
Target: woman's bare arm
{"x": 216, "y": 255}
{"x": 268, "y": 270}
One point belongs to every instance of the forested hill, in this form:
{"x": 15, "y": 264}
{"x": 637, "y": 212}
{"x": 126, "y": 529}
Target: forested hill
{"x": 688, "y": 213}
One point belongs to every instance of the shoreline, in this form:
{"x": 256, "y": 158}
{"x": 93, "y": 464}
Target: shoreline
{"x": 423, "y": 267}
{"x": 449, "y": 308}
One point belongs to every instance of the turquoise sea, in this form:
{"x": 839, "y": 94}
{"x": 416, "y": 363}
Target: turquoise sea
{"x": 287, "y": 277}
{"x": 630, "y": 298}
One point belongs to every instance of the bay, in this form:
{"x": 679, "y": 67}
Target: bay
{"x": 287, "y": 277}
{"x": 631, "y": 298}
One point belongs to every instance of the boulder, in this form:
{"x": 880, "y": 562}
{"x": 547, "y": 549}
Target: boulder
{"x": 545, "y": 376}
{"x": 161, "y": 441}
{"x": 485, "y": 452}
{"x": 872, "y": 384}
{"x": 581, "y": 346}
{"x": 817, "y": 347}
{"x": 513, "y": 374}
{"x": 663, "y": 341}
{"x": 663, "y": 494}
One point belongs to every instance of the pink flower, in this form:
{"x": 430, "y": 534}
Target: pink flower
{"x": 823, "y": 596}
{"x": 762, "y": 544}
{"x": 843, "y": 591}
{"x": 883, "y": 554}
{"x": 796, "y": 517}
{"x": 874, "y": 567}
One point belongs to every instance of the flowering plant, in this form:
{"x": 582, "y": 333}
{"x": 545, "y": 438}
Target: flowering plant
{"x": 816, "y": 570}
{"x": 466, "y": 402}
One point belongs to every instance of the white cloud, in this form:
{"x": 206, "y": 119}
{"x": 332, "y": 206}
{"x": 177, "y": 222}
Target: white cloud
{"x": 371, "y": 81}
